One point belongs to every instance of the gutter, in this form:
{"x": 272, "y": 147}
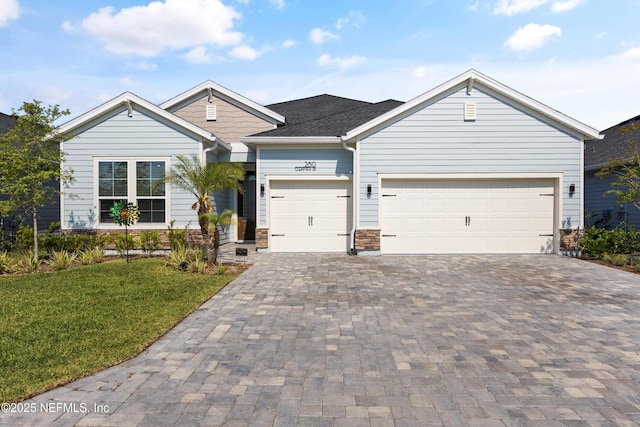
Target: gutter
{"x": 354, "y": 191}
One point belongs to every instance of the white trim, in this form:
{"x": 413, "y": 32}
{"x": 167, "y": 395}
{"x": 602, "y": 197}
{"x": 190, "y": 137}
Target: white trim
{"x": 578, "y": 128}
{"x": 131, "y": 185}
{"x": 208, "y": 85}
{"x": 473, "y": 175}
{"x": 556, "y": 176}
{"x": 258, "y": 179}
{"x": 134, "y": 101}
{"x": 581, "y": 184}
{"x": 289, "y": 140}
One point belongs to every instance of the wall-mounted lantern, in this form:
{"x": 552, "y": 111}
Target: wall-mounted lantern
{"x": 261, "y": 190}
{"x": 368, "y": 191}
{"x": 572, "y": 189}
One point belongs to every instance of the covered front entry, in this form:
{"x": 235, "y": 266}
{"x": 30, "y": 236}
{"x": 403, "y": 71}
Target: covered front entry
{"x": 431, "y": 216}
{"x": 309, "y": 215}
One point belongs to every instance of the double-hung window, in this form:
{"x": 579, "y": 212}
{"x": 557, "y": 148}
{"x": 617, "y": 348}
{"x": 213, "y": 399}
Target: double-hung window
{"x": 135, "y": 181}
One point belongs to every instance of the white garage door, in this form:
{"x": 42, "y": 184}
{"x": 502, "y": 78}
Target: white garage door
{"x": 467, "y": 216}
{"x": 309, "y": 216}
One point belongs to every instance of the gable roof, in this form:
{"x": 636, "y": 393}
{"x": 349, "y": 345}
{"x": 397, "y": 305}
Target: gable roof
{"x": 324, "y": 116}
{"x": 7, "y": 123}
{"x": 129, "y": 99}
{"x": 470, "y": 79}
{"x": 613, "y": 145}
{"x": 227, "y": 95}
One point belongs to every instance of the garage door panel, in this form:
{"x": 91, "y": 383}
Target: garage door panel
{"x": 309, "y": 216}
{"x": 468, "y": 216}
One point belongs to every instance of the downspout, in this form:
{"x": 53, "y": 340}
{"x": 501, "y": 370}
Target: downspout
{"x": 206, "y": 150}
{"x": 354, "y": 196}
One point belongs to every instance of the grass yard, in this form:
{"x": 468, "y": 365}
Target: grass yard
{"x": 59, "y": 326}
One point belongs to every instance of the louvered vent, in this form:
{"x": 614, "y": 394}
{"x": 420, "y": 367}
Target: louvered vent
{"x": 211, "y": 112}
{"x": 469, "y": 111}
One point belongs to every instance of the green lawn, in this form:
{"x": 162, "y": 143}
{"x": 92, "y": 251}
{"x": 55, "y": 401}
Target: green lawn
{"x": 59, "y": 326}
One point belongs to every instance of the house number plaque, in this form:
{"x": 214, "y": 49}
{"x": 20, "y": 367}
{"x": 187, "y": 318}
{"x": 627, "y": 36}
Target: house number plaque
{"x": 308, "y": 167}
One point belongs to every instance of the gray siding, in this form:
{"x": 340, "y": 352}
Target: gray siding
{"x": 120, "y": 136}
{"x": 272, "y": 162}
{"x": 604, "y": 210}
{"x": 436, "y": 139}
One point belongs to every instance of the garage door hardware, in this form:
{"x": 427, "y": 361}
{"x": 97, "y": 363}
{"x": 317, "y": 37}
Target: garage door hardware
{"x": 467, "y": 221}
{"x": 389, "y": 235}
{"x": 389, "y": 195}
{"x": 277, "y": 235}
{"x": 545, "y": 235}
{"x": 277, "y": 197}
{"x": 547, "y": 194}
{"x": 310, "y": 220}
{"x": 346, "y": 197}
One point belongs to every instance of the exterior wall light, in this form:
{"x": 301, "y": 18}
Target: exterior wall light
{"x": 261, "y": 190}
{"x": 572, "y": 189}
{"x": 368, "y": 191}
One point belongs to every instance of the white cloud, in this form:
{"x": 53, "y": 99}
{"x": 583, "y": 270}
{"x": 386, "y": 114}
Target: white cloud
{"x": 278, "y": 4}
{"x": 342, "y": 63}
{"x": 160, "y": 25}
{"x": 513, "y": 7}
{"x": 356, "y": 19}
{"x": 563, "y": 6}
{"x": 143, "y": 66}
{"x": 320, "y": 36}
{"x": 633, "y": 53}
{"x": 289, "y": 43}
{"x": 532, "y": 36}
{"x": 9, "y": 9}
{"x": 199, "y": 55}
{"x": 421, "y": 72}
{"x": 245, "y": 52}
{"x": 128, "y": 82}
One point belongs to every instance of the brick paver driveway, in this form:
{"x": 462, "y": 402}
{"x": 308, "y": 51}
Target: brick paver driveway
{"x": 320, "y": 340}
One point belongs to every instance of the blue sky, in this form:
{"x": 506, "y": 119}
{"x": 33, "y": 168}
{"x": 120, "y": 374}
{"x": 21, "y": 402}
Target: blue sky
{"x": 581, "y": 57}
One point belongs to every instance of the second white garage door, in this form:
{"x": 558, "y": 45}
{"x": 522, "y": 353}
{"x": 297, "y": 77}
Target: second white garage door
{"x": 309, "y": 216}
{"x": 467, "y": 216}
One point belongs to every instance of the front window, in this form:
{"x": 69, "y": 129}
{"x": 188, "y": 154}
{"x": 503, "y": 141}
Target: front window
{"x": 136, "y": 181}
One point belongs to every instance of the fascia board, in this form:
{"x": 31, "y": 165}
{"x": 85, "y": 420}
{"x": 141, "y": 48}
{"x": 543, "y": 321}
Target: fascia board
{"x": 226, "y": 92}
{"x": 287, "y": 140}
{"x": 582, "y": 130}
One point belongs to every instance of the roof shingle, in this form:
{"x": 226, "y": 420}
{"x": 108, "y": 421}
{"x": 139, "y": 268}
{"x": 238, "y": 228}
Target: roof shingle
{"x": 7, "y": 123}
{"x": 613, "y": 146}
{"x": 325, "y": 115}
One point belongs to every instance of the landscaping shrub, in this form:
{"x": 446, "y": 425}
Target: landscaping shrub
{"x": 27, "y": 262}
{"x": 619, "y": 260}
{"x": 7, "y": 265}
{"x": 597, "y": 241}
{"x": 123, "y": 243}
{"x": 91, "y": 256}
{"x": 60, "y": 260}
{"x": 177, "y": 237}
{"x": 24, "y": 238}
{"x": 198, "y": 266}
{"x": 150, "y": 241}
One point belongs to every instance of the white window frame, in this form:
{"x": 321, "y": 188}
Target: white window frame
{"x": 131, "y": 190}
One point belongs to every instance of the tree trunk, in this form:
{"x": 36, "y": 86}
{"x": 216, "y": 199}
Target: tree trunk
{"x": 203, "y": 221}
{"x": 216, "y": 244}
{"x": 35, "y": 233}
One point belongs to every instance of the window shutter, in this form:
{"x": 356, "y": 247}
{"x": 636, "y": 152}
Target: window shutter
{"x": 469, "y": 111}
{"x": 211, "y": 112}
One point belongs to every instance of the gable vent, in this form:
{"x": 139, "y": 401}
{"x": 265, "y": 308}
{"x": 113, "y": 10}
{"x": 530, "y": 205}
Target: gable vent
{"x": 469, "y": 111}
{"x": 211, "y": 112}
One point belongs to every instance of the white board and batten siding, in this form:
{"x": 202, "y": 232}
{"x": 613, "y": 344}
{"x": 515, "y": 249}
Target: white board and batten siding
{"x": 503, "y": 141}
{"x": 119, "y": 136}
{"x": 307, "y": 199}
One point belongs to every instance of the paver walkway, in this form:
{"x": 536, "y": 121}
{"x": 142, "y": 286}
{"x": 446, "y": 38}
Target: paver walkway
{"x": 322, "y": 340}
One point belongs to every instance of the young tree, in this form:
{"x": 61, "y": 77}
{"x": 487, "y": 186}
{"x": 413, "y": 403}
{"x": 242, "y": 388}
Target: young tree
{"x": 31, "y": 159}
{"x": 215, "y": 219}
{"x": 627, "y": 171}
{"x": 191, "y": 176}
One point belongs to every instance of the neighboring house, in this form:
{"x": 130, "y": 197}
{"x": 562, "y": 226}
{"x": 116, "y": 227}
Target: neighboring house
{"x": 604, "y": 211}
{"x": 471, "y": 166}
{"x": 49, "y": 213}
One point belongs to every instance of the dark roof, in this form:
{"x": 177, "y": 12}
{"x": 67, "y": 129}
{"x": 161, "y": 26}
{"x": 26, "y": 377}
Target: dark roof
{"x": 325, "y": 115}
{"x": 614, "y": 144}
{"x": 6, "y": 123}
